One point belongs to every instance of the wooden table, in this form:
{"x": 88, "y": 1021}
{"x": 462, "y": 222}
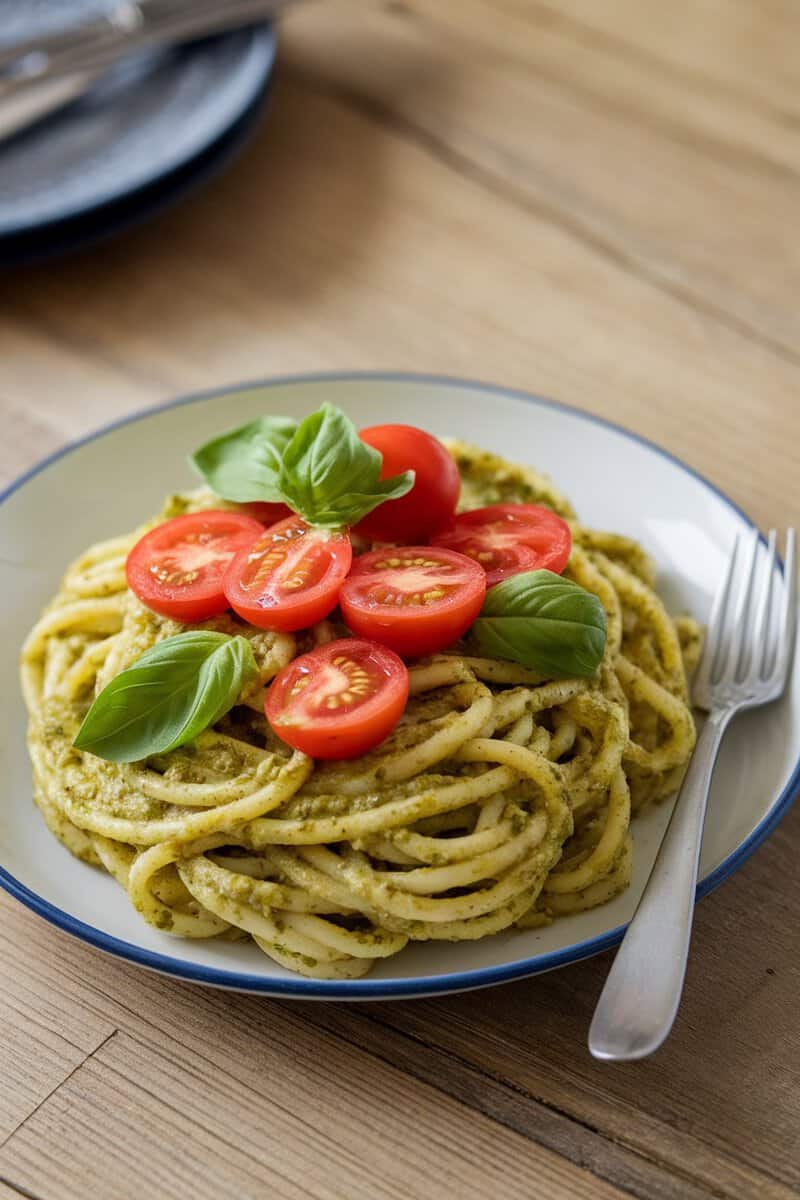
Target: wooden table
{"x": 592, "y": 199}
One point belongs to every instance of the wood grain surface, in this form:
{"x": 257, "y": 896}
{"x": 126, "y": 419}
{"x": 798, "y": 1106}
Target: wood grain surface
{"x": 591, "y": 199}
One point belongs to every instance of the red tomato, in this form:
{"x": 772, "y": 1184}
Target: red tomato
{"x": 340, "y": 700}
{"x": 177, "y": 568}
{"x": 415, "y": 599}
{"x": 509, "y": 538}
{"x": 432, "y": 500}
{"x": 290, "y": 577}
{"x": 266, "y": 512}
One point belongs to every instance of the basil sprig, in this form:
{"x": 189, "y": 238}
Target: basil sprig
{"x": 320, "y": 468}
{"x": 330, "y": 476}
{"x": 545, "y": 622}
{"x": 167, "y": 697}
{"x": 243, "y": 465}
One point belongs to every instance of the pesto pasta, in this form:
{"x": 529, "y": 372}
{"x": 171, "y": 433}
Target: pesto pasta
{"x": 501, "y": 799}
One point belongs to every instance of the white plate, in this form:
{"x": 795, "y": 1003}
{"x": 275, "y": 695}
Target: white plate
{"x": 107, "y": 483}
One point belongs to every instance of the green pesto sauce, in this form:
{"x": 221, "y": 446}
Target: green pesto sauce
{"x": 489, "y": 479}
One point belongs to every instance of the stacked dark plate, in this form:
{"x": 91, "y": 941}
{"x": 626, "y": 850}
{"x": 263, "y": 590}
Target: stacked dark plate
{"x": 155, "y": 125}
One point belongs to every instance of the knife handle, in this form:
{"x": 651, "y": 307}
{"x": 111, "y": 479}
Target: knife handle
{"x": 131, "y": 25}
{"x": 40, "y": 56}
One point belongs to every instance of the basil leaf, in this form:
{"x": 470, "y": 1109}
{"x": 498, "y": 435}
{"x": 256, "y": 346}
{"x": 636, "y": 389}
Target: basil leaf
{"x": 243, "y": 464}
{"x": 168, "y": 696}
{"x": 330, "y": 477}
{"x": 545, "y": 622}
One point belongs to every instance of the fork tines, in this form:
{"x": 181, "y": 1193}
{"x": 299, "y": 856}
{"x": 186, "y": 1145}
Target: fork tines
{"x": 752, "y": 628}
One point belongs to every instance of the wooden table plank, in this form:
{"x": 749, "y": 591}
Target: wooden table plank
{"x": 615, "y": 150}
{"x": 35, "y": 1058}
{"x": 744, "y": 50}
{"x": 42, "y": 1042}
{"x": 7, "y": 1192}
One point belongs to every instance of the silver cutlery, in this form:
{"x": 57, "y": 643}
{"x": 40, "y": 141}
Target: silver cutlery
{"x": 746, "y": 662}
{"x": 39, "y": 76}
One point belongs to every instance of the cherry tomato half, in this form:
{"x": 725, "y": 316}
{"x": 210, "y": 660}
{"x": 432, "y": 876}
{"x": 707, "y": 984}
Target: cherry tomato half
{"x": 339, "y": 700}
{"x": 432, "y": 500}
{"x": 290, "y": 577}
{"x": 267, "y": 512}
{"x": 509, "y": 538}
{"x": 177, "y": 568}
{"x": 414, "y": 599}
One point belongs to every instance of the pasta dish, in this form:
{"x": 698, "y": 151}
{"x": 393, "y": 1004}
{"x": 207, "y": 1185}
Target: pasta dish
{"x": 496, "y": 787}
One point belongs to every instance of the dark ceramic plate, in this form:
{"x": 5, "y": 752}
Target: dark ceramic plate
{"x": 146, "y": 131}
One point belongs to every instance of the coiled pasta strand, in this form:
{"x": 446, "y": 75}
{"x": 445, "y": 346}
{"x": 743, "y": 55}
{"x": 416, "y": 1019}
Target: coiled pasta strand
{"x": 502, "y": 798}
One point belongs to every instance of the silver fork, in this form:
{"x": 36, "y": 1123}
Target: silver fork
{"x": 745, "y": 663}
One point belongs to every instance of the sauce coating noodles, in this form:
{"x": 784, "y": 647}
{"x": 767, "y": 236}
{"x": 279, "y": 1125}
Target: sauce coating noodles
{"x": 500, "y": 799}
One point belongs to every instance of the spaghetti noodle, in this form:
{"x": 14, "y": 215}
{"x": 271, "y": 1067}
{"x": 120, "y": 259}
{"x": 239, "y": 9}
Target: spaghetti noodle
{"x": 500, "y": 799}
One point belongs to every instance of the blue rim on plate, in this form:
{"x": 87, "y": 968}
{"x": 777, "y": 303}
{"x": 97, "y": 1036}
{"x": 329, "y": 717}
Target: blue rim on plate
{"x": 379, "y": 989}
{"x": 110, "y": 216}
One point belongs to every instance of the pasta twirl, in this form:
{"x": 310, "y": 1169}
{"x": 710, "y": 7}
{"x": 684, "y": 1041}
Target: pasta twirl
{"x": 500, "y": 799}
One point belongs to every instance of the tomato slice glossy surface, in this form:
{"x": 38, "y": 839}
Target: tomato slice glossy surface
{"x": 432, "y": 500}
{"x": 509, "y": 538}
{"x": 414, "y": 599}
{"x": 339, "y": 700}
{"x": 290, "y": 577}
{"x": 177, "y": 568}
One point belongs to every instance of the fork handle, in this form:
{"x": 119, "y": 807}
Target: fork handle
{"x": 639, "y": 1002}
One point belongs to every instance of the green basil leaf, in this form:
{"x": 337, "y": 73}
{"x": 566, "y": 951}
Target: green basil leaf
{"x": 330, "y": 477}
{"x": 243, "y": 465}
{"x": 168, "y": 696}
{"x": 545, "y": 622}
